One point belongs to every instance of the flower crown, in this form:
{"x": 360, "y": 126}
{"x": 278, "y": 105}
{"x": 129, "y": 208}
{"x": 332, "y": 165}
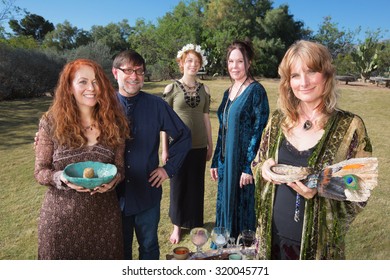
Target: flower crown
{"x": 196, "y": 48}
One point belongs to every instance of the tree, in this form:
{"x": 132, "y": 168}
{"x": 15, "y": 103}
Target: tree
{"x": 96, "y": 51}
{"x": 271, "y": 31}
{"x": 224, "y": 22}
{"x": 345, "y": 65}
{"x": 66, "y": 37}
{"x": 22, "y": 42}
{"x": 366, "y": 57}
{"x": 181, "y": 26}
{"x": 280, "y": 30}
{"x": 338, "y": 42}
{"x": 7, "y": 11}
{"x": 143, "y": 40}
{"x": 384, "y": 59}
{"x": 278, "y": 23}
{"x": 31, "y": 25}
{"x": 112, "y": 35}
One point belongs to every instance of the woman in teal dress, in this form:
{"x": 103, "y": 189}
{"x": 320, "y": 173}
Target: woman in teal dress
{"x": 242, "y": 114}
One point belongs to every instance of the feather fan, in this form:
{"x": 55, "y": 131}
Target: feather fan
{"x": 351, "y": 179}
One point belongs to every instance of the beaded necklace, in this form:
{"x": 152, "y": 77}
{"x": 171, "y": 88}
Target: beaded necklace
{"x": 191, "y": 96}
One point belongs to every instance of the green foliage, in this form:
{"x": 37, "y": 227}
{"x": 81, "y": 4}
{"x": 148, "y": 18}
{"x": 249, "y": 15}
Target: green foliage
{"x": 338, "y": 42}
{"x": 345, "y": 65}
{"x": 143, "y": 40}
{"x": 255, "y": 20}
{"x": 213, "y": 24}
{"x": 113, "y": 35}
{"x": 26, "y": 73}
{"x": 384, "y": 59}
{"x": 366, "y": 57}
{"x": 31, "y": 25}
{"x": 96, "y": 51}
{"x": 65, "y": 37}
{"x": 268, "y": 58}
{"x": 23, "y": 42}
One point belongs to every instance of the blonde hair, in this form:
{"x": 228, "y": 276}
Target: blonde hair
{"x": 107, "y": 114}
{"x": 317, "y": 58}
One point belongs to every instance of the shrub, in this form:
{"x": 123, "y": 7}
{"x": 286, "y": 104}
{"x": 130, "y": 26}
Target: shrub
{"x": 26, "y": 73}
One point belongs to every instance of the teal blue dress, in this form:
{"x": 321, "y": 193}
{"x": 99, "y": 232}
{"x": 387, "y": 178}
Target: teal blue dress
{"x": 241, "y": 123}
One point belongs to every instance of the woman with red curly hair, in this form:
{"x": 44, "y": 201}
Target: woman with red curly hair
{"x": 84, "y": 123}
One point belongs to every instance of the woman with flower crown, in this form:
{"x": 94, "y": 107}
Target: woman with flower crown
{"x": 190, "y": 99}
{"x": 242, "y": 115}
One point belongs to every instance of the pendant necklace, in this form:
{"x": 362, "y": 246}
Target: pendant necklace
{"x": 309, "y": 121}
{"x": 307, "y": 125}
{"x": 190, "y": 89}
{"x": 225, "y": 115}
{"x": 89, "y": 127}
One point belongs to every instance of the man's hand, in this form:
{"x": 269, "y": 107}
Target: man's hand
{"x": 157, "y": 177}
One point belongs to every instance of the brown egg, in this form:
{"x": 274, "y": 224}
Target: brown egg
{"x": 88, "y": 173}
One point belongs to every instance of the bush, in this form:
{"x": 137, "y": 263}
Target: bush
{"x": 96, "y": 51}
{"x": 160, "y": 71}
{"x": 27, "y": 73}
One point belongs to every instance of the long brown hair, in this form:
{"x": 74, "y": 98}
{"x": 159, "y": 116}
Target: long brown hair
{"x": 318, "y": 58}
{"x": 107, "y": 114}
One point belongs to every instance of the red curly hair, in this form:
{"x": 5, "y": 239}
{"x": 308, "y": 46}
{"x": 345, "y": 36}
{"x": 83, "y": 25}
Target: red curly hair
{"x": 107, "y": 115}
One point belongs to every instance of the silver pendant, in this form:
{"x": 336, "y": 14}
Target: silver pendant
{"x": 307, "y": 125}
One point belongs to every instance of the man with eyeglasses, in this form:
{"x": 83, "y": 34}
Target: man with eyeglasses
{"x": 140, "y": 193}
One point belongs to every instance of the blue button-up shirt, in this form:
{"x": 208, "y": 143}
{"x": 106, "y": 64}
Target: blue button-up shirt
{"x": 149, "y": 115}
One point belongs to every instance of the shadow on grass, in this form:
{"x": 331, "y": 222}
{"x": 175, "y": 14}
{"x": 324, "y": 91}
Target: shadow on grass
{"x": 19, "y": 120}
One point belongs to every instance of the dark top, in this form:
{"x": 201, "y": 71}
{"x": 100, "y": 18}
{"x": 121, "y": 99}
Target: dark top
{"x": 285, "y": 197}
{"x": 149, "y": 115}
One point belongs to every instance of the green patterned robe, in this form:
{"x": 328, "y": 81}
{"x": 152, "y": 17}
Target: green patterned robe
{"x": 326, "y": 221}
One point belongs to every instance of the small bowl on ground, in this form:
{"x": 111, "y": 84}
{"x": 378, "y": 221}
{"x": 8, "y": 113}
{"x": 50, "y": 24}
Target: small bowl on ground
{"x": 235, "y": 256}
{"x": 103, "y": 173}
{"x": 181, "y": 253}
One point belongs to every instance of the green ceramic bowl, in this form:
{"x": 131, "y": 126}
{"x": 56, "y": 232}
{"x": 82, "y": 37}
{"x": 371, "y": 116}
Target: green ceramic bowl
{"x": 104, "y": 173}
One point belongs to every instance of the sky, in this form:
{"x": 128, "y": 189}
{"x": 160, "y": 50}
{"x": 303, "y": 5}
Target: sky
{"x": 347, "y": 14}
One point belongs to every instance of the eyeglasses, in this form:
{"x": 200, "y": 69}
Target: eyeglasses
{"x": 129, "y": 71}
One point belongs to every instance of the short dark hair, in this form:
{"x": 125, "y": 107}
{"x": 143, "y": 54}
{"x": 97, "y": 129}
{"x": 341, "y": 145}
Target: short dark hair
{"x": 128, "y": 56}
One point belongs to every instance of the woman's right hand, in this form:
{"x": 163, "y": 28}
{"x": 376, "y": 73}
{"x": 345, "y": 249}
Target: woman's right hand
{"x": 214, "y": 174}
{"x": 73, "y": 186}
{"x": 265, "y": 169}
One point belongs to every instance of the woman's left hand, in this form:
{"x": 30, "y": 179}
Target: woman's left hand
{"x": 245, "y": 179}
{"x": 106, "y": 187}
{"x": 304, "y": 191}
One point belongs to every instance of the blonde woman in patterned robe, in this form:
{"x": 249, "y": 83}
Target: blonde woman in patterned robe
{"x": 294, "y": 221}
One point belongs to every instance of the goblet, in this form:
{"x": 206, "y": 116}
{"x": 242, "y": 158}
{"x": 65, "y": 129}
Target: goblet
{"x": 220, "y": 237}
{"x": 199, "y": 237}
{"x": 248, "y": 238}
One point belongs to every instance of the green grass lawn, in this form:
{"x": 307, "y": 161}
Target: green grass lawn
{"x": 21, "y": 196}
